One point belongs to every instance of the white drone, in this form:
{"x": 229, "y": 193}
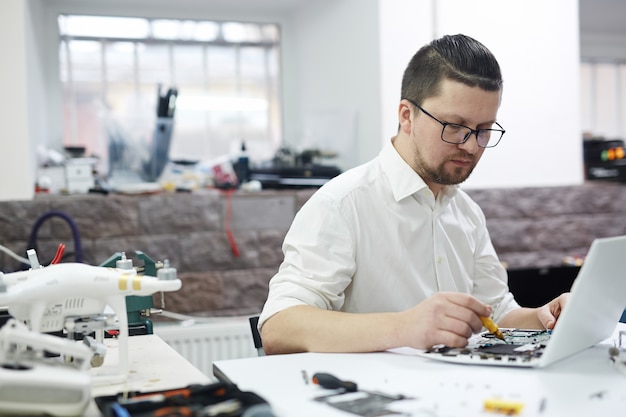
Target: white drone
{"x": 34, "y": 383}
{"x": 69, "y": 296}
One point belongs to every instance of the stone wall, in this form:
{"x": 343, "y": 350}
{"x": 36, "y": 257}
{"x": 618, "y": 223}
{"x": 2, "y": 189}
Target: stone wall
{"x": 220, "y": 276}
{"x": 539, "y": 227}
{"x": 529, "y": 227}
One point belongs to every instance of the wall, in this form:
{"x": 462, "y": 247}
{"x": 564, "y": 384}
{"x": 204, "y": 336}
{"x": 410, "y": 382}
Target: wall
{"x": 399, "y": 33}
{"x": 540, "y": 107}
{"x": 602, "y": 34}
{"x": 529, "y": 227}
{"x": 342, "y": 40}
{"x": 337, "y": 79}
{"x": 187, "y": 229}
{"x": 16, "y": 136}
{"x": 541, "y": 88}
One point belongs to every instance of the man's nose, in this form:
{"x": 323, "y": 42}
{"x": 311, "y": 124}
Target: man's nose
{"x": 471, "y": 144}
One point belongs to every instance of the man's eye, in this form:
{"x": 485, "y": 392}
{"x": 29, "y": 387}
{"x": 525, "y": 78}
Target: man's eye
{"x": 484, "y": 133}
{"x": 455, "y": 128}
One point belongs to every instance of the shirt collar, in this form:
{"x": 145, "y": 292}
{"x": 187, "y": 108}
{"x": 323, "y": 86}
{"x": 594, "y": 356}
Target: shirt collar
{"x": 404, "y": 182}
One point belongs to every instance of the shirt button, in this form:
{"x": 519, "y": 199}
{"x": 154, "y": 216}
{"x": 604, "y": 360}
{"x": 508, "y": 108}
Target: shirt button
{"x": 439, "y": 259}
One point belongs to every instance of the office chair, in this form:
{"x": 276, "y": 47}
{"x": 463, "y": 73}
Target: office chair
{"x": 256, "y": 336}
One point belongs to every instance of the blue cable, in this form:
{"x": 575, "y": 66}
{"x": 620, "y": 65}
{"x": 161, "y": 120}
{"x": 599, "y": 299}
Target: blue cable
{"x": 32, "y": 240}
{"x": 119, "y": 411}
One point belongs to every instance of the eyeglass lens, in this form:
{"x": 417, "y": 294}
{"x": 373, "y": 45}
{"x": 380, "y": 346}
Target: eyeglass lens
{"x": 459, "y": 134}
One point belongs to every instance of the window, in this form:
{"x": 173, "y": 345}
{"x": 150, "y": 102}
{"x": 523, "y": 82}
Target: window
{"x": 113, "y": 70}
{"x": 603, "y": 99}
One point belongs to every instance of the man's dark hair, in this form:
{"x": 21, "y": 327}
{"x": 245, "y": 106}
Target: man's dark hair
{"x": 455, "y": 57}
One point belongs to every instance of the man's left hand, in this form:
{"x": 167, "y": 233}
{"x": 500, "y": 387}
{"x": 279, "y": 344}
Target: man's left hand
{"x": 549, "y": 313}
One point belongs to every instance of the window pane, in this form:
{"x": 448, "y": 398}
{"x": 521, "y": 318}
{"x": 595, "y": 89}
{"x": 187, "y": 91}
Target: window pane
{"x": 85, "y": 60}
{"x": 270, "y": 33}
{"x": 605, "y": 100}
{"x": 621, "y": 104}
{"x": 206, "y": 31}
{"x": 81, "y": 116}
{"x": 104, "y": 27}
{"x": 253, "y": 64}
{"x": 153, "y": 64}
{"x": 165, "y": 29}
{"x": 120, "y": 61}
{"x": 226, "y": 93}
{"x": 586, "y": 98}
{"x": 65, "y": 66}
{"x": 189, "y": 64}
{"x": 234, "y": 32}
{"x": 222, "y": 69}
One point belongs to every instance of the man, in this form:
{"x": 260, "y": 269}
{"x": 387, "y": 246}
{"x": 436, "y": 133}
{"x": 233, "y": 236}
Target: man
{"x": 392, "y": 253}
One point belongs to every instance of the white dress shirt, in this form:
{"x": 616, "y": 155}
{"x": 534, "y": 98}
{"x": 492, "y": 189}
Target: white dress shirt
{"x": 375, "y": 239}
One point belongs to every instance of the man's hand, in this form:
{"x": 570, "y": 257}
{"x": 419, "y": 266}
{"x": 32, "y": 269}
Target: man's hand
{"x": 444, "y": 318}
{"x": 549, "y": 313}
{"x": 544, "y": 317}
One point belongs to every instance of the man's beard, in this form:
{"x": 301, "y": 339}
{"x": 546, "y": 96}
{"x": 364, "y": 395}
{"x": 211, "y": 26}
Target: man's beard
{"x": 440, "y": 174}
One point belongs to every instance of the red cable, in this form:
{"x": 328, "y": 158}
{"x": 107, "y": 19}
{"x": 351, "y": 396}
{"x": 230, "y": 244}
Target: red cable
{"x": 229, "y": 233}
{"x": 59, "y": 255}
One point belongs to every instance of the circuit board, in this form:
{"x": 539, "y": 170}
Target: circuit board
{"x": 518, "y": 347}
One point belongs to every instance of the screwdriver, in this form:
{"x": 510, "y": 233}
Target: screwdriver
{"x": 332, "y": 382}
{"x": 492, "y": 327}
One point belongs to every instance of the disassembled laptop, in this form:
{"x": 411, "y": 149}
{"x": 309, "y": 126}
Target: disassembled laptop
{"x": 520, "y": 345}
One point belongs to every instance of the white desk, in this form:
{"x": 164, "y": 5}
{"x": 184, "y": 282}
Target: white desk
{"x": 586, "y": 384}
{"x": 153, "y": 366}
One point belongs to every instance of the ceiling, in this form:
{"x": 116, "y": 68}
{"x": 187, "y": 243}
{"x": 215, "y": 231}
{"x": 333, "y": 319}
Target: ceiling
{"x": 597, "y": 17}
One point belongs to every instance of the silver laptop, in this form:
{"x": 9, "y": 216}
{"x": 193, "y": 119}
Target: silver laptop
{"x": 596, "y": 303}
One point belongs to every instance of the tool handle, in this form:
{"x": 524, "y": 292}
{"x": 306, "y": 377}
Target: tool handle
{"x": 492, "y": 327}
{"x": 489, "y": 324}
{"x": 332, "y": 382}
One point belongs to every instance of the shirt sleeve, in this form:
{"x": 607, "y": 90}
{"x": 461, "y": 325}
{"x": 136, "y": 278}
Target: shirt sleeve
{"x": 318, "y": 260}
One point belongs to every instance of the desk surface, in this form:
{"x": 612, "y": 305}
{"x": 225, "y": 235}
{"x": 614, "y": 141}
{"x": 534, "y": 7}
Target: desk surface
{"x": 153, "y": 366}
{"x": 585, "y": 384}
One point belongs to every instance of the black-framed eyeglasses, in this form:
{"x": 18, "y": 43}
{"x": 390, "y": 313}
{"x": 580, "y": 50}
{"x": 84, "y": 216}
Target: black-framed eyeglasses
{"x": 458, "y": 134}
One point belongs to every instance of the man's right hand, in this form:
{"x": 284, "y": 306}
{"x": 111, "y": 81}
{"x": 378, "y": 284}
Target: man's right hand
{"x": 444, "y": 318}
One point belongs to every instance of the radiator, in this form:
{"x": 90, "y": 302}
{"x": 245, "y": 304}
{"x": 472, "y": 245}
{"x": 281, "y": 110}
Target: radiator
{"x": 205, "y": 342}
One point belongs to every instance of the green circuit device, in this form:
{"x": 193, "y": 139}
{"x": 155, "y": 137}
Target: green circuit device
{"x": 138, "y": 308}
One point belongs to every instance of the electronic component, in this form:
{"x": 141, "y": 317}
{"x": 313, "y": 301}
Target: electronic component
{"x": 518, "y": 345}
{"x": 500, "y": 406}
{"x": 349, "y": 398}
{"x": 521, "y": 336}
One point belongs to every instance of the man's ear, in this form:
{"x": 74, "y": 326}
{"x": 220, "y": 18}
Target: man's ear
{"x": 405, "y": 116}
